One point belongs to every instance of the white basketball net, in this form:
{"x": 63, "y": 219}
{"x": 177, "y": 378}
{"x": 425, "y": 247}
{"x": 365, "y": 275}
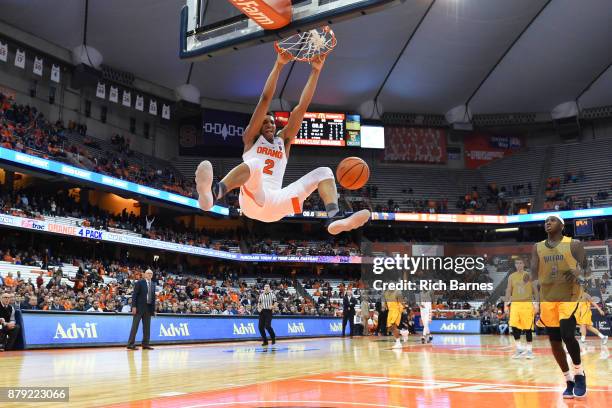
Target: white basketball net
{"x": 310, "y": 44}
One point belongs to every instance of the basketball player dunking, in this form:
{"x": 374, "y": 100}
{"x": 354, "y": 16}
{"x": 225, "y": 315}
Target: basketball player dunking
{"x": 260, "y": 176}
{"x": 519, "y": 297}
{"x": 556, "y": 264}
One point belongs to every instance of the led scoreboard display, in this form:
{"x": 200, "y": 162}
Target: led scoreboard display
{"x": 584, "y": 227}
{"x": 324, "y": 129}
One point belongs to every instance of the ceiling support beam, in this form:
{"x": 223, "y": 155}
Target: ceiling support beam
{"x": 586, "y": 88}
{"x": 501, "y": 58}
{"x": 401, "y": 53}
{"x": 282, "y": 92}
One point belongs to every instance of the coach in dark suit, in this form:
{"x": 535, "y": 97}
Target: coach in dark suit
{"x": 348, "y": 311}
{"x": 9, "y": 329}
{"x": 143, "y": 307}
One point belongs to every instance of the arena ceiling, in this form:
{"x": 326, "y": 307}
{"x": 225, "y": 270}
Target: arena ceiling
{"x": 497, "y": 55}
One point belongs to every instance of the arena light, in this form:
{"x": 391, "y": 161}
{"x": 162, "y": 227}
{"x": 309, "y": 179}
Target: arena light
{"x": 514, "y": 229}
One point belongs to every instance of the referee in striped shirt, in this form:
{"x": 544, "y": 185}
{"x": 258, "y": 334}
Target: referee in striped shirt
{"x": 264, "y": 305}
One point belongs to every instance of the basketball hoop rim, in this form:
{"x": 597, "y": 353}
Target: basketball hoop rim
{"x": 327, "y": 29}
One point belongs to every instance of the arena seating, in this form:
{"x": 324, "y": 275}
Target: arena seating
{"x": 32, "y": 272}
{"x": 594, "y": 159}
{"x": 437, "y": 183}
{"x": 523, "y": 167}
{"x": 205, "y": 295}
{"x": 427, "y": 182}
{"x": 23, "y": 128}
{"x": 169, "y": 179}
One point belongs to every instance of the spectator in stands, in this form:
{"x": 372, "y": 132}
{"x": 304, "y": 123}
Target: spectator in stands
{"x": 55, "y": 304}
{"x": 81, "y": 306}
{"x": 9, "y": 281}
{"x": 32, "y": 304}
{"x": 110, "y": 307}
{"x": 9, "y": 329}
{"x": 127, "y": 308}
{"x": 490, "y": 321}
{"x": 95, "y": 307}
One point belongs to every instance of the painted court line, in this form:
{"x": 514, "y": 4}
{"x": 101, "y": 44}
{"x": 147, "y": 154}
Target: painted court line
{"x": 319, "y": 402}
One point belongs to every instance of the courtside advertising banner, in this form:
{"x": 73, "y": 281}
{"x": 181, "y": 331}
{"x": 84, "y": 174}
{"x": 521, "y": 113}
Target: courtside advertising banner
{"x": 455, "y": 326}
{"x": 51, "y": 329}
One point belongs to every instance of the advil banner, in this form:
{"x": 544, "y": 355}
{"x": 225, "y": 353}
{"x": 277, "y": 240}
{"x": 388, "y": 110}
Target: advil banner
{"x": 57, "y": 329}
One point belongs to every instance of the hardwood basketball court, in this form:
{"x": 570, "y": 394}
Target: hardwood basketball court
{"x": 456, "y": 371}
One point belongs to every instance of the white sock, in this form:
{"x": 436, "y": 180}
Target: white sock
{"x": 568, "y": 376}
{"x": 582, "y": 339}
{"x": 578, "y": 370}
{"x": 529, "y": 347}
{"x": 601, "y": 336}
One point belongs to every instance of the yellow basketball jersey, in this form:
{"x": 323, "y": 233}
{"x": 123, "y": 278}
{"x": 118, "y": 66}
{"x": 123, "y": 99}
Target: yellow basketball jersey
{"x": 521, "y": 291}
{"x": 392, "y": 296}
{"x": 553, "y": 266}
{"x": 585, "y": 301}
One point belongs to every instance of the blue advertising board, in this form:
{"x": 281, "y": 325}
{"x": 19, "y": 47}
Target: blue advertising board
{"x": 69, "y": 329}
{"x": 455, "y": 326}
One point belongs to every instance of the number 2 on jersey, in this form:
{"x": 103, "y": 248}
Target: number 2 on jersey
{"x": 268, "y": 167}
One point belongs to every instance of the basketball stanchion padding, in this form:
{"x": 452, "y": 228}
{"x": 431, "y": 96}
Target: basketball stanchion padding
{"x": 268, "y": 14}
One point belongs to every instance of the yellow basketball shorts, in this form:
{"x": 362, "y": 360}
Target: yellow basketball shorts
{"x": 394, "y": 317}
{"x": 584, "y": 314}
{"x": 552, "y": 312}
{"x": 522, "y": 315}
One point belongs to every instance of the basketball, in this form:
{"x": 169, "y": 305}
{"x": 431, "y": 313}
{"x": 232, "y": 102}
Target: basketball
{"x": 352, "y": 173}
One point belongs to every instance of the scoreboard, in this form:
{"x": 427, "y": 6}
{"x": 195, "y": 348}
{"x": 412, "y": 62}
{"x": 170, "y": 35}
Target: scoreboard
{"x": 324, "y": 129}
{"x": 583, "y": 227}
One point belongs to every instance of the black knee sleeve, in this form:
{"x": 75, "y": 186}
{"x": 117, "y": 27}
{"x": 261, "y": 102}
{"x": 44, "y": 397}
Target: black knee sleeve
{"x": 516, "y": 333}
{"x": 528, "y": 335}
{"x": 554, "y": 333}
{"x": 568, "y": 329}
